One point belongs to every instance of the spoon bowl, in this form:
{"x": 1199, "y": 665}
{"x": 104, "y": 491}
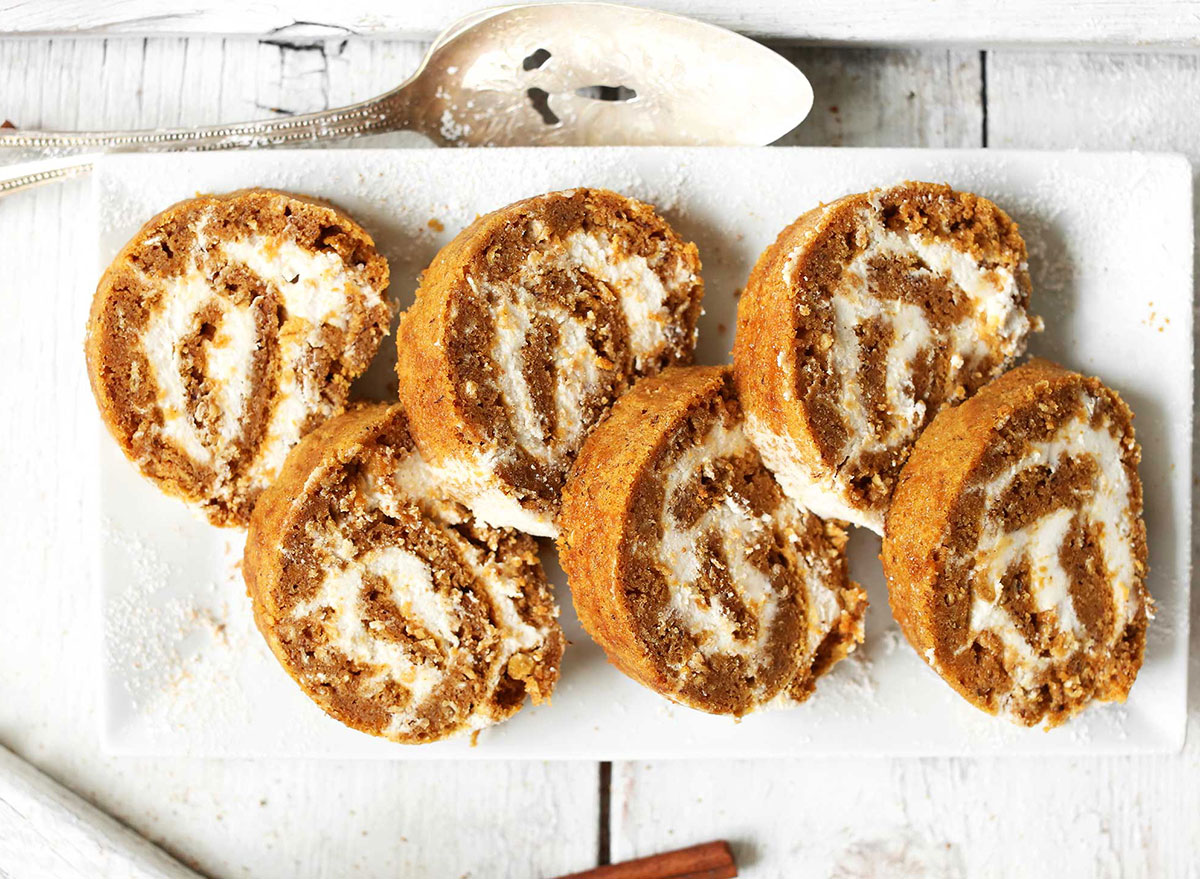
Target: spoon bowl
{"x": 602, "y": 74}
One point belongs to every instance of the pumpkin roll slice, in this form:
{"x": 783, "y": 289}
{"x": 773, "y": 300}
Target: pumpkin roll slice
{"x": 687, "y": 563}
{"x": 395, "y": 612}
{"x": 228, "y": 328}
{"x": 525, "y": 329}
{"x": 1015, "y": 551}
{"x": 862, "y": 320}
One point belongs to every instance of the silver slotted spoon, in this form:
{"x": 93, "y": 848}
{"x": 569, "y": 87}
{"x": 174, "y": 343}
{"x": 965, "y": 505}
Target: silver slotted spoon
{"x": 549, "y": 74}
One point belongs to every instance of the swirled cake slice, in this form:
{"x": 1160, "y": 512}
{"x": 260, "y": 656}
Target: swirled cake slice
{"x": 860, "y": 322}
{"x": 397, "y": 613}
{"x": 1015, "y": 551}
{"x": 225, "y": 330}
{"x": 688, "y": 564}
{"x": 525, "y": 329}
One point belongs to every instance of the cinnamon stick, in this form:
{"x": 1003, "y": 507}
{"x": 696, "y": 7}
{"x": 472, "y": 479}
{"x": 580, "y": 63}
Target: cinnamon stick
{"x": 709, "y": 860}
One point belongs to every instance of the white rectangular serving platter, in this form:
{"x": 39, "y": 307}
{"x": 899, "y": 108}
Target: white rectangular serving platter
{"x": 184, "y": 672}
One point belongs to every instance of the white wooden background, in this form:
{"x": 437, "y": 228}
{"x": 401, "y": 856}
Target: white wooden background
{"x": 1107, "y": 817}
{"x": 1125, "y": 23}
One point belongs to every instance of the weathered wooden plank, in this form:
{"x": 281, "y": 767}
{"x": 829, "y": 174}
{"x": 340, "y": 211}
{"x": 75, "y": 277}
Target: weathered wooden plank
{"x": 1094, "y": 101}
{"x": 920, "y": 818}
{"x": 190, "y": 81}
{"x": 46, "y": 830}
{"x": 909, "y": 98}
{"x": 1114, "y": 23}
{"x": 315, "y": 818}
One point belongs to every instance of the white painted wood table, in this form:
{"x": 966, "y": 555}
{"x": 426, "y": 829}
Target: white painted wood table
{"x": 1103, "y": 817}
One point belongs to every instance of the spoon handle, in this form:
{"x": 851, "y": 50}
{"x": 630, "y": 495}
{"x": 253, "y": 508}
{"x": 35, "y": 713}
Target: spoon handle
{"x": 374, "y": 115}
{"x": 16, "y": 178}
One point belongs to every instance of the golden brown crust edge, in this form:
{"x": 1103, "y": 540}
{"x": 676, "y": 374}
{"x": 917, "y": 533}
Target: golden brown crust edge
{"x": 597, "y": 503}
{"x": 767, "y": 332}
{"x": 423, "y": 364}
{"x": 337, "y": 440}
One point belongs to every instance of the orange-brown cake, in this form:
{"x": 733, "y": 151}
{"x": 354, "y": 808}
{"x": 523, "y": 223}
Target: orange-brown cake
{"x": 224, "y": 331}
{"x": 689, "y": 566}
{"x": 525, "y": 329}
{"x": 395, "y": 612}
{"x": 1015, "y": 551}
{"x": 862, "y": 320}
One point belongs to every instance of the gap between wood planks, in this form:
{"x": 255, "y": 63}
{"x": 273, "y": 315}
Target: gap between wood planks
{"x": 604, "y": 837}
{"x": 983, "y": 100}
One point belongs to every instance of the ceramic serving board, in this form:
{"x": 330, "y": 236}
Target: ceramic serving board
{"x": 1110, "y": 250}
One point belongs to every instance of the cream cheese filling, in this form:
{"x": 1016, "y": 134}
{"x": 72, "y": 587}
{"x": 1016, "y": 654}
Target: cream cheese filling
{"x": 995, "y": 324}
{"x": 473, "y": 481}
{"x": 414, "y": 478}
{"x": 818, "y": 491}
{"x": 411, "y": 587}
{"x": 579, "y": 371}
{"x": 228, "y": 359}
{"x": 639, "y": 287}
{"x": 513, "y": 315}
{"x": 339, "y": 605}
{"x": 314, "y": 288}
{"x": 1042, "y": 540}
{"x": 741, "y": 529}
